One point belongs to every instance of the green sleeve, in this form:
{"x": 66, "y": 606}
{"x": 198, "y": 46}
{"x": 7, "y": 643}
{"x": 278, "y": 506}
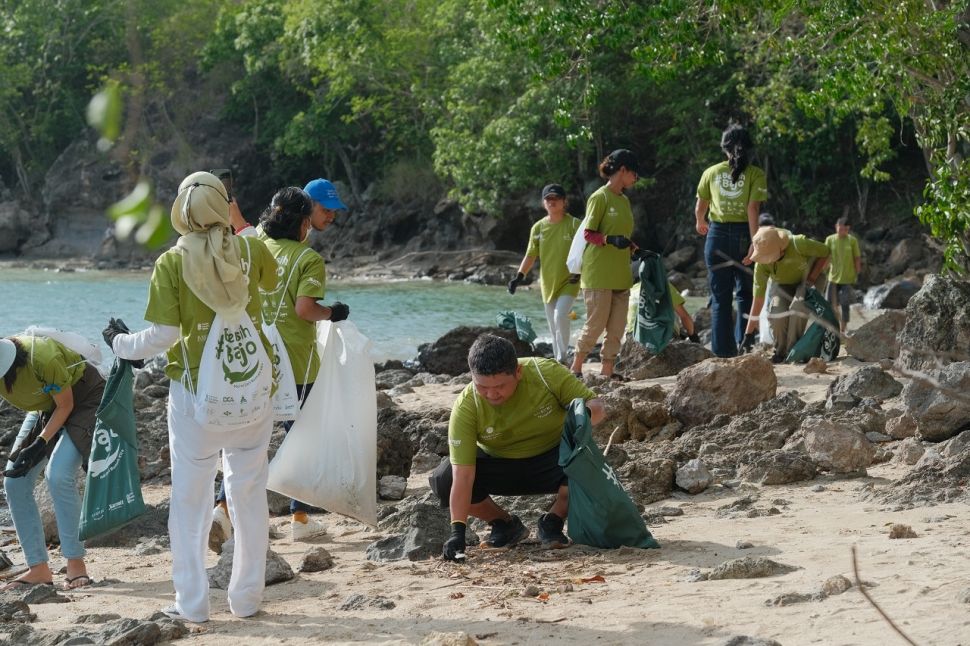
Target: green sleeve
{"x": 312, "y": 277}
{"x": 54, "y": 372}
{"x": 675, "y": 297}
{"x": 563, "y": 384}
{"x": 463, "y": 429}
{"x": 810, "y": 248}
{"x": 704, "y": 186}
{"x": 759, "y": 186}
{"x": 595, "y": 210}
{"x": 533, "y": 249}
{"x": 760, "y": 279}
{"x": 163, "y": 295}
{"x": 267, "y": 268}
{"x": 855, "y": 248}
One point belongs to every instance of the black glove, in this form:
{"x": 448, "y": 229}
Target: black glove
{"x": 28, "y": 458}
{"x": 454, "y": 548}
{"x": 573, "y": 279}
{"x": 113, "y": 329}
{"x": 620, "y": 242}
{"x": 693, "y": 338}
{"x": 514, "y": 283}
{"x": 339, "y": 312}
{"x": 748, "y": 343}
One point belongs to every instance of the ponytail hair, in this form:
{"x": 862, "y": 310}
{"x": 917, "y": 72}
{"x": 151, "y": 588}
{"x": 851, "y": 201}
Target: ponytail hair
{"x": 619, "y": 158}
{"x": 737, "y": 144}
{"x": 284, "y": 217}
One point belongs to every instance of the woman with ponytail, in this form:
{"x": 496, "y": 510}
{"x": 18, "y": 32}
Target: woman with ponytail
{"x": 730, "y": 193}
{"x": 208, "y": 272}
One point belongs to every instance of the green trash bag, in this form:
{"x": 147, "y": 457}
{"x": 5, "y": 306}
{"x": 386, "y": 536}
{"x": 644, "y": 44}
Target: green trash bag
{"x": 600, "y": 510}
{"x": 511, "y": 320}
{"x": 112, "y": 488}
{"x": 820, "y": 339}
{"x": 655, "y": 311}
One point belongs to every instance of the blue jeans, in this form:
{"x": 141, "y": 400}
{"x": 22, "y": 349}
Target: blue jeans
{"x": 726, "y": 246}
{"x": 61, "y": 477}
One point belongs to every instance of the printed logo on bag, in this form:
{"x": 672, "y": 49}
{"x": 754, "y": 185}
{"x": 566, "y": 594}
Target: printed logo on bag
{"x": 108, "y": 444}
{"x": 238, "y": 353}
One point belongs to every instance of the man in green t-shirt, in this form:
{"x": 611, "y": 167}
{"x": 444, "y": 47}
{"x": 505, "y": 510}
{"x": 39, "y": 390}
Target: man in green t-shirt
{"x": 845, "y": 264}
{"x": 503, "y": 438}
{"x": 785, "y": 259}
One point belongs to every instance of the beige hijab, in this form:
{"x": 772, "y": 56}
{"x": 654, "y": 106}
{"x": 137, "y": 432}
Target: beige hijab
{"x": 211, "y": 265}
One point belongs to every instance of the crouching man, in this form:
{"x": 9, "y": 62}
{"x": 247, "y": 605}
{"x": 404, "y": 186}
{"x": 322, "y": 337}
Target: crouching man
{"x": 503, "y": 437}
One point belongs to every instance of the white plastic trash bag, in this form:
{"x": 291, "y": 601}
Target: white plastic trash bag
{"x": 329, "y": 457}
{"x": 72, "y": 341}
{"x": 574, "y": 260}
{"x": 286, "y": 403}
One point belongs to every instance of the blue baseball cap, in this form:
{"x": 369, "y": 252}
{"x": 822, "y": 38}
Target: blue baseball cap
{"x": 324, "y": 192}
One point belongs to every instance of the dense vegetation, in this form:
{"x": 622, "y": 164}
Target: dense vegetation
{"x": 860, "y": 107}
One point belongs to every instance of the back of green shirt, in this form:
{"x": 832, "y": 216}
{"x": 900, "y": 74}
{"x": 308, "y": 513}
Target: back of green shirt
{"x": 729, "y": 200}
{"x": 301, "y": 272}
{"x": 528, "y": 424}
{"x": 607, "y": 267}
{"x": 50, "y": 368}
{"x": 842, "y": 261}
{"x": 793, "y": 265}
{"x": 171, "y": 302}
{"x": 550, "y": 244}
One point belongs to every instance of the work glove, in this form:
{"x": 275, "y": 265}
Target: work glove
{"x": 339, "y": 312}
{"x": 28, "y": 458}
{"x": 454, "y": 548}
{"x": 514, "y": 283}
{"x": 693, "y": 338}
{"x": 573, "y": 279}
{"x": 113, "y": 329}
{"x": 748, "y": 343}
{"x": 620, "y": 242}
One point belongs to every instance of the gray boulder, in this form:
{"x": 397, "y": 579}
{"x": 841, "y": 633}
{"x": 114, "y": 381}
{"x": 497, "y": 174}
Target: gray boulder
{"x": 277, "y": 569}
{"x": 680, "y": 259}
{"x": 449, "y": 354}
{"x": 648, "y": 477}
{"x": 419, "y": 529}
{"x": 394, "y": 448}
{"x": 876, "y": 340}
{"x": 937, "y": 329}
{"x": 893, "y": 295}
{"x": 909, "y": 451}
{"x": 778, "y": 466}
{"x": 721, "y": 386}
{"x": 901, "y": 427}
{"x": 316, "y": 559}
{"x": 392, "y": 487}
{"x": 867, "y": 381}
{"x": 637, "y": 363}
{"x": 694, "y": 477}
{"x": 941, "y": 411}
{"x": 836, "y": 447}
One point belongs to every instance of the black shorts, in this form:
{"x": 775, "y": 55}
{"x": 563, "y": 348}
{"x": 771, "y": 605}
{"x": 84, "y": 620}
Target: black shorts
{"x": 540, "y": 474}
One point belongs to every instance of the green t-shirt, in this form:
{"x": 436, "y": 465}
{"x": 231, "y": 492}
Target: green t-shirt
{"x": 528, "y": 424}
{"x": 50, "y": 368}
{"x": 792, "y": 266}
{"x": 171, "y": 302}
{"x": 607, "y": 267}
{"x": 842, "y": 261}
{"x": 301, "y": 272}
{"x": 729, "y": 200}
{"x": 550, "y": 244}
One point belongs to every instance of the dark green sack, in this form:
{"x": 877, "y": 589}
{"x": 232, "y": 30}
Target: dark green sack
{"x": 600, "y": 510}
{"x": 820, "y": 339}
{"x": 519, "y": 323}
{"x": 655, "y": 311}
{"x": 112, "y": 489}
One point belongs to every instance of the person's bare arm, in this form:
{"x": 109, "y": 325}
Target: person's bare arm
{"x": 756, "y": 306}
{"x": 526, "y": 265}
{"x": 63, "y": 405}
{"x": 700, "y": 213}
{"x": 309, "y": 309}
{"x": 463, "y": 477}
{"x": 597, "y": 411}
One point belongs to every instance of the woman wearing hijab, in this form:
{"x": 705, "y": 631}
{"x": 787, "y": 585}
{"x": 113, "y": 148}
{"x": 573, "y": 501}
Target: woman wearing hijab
{"x": 208, "y": 272}
{"x": 61, "y": 393}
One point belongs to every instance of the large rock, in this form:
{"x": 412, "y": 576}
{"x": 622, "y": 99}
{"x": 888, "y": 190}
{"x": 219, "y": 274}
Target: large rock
{"x": 419, "y": 529}
{"x": 836, "y": 447}
{"x": 637, "y": 363}
{"x": 394, "y": 448}
{"x": 449, "y": 354}
{"x": 907, "y": 254}
{"x": 716, "y": 386}
{"x": 867, "y": 381}
{"x": 941, "y": 410}
{"x": 876, "y": 340}
{"x": 893, "y": 295}
{"x": 937, "y": 328}
{"x": 680, "y": 259}
{"x": 17, "y": 224}
{"x": 648, "y": 477}
{"x": 777, "y": 467}
{"x": 277, "y": 569}
{"x": 630, "y": 419}
{"x": 694, "y": 477}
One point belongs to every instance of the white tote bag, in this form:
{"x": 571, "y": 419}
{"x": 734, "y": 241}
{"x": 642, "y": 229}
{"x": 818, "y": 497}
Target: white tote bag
{"x": 286, "y": 402}
{"x": 329, "y": 457}
{"x": 574, "y": 260}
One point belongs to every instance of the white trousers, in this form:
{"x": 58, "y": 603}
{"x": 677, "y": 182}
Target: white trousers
{"x": 557, "y": 315}
{"x": 195, "y": 453}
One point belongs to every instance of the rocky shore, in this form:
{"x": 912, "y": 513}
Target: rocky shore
{"x": 756, "y": 479}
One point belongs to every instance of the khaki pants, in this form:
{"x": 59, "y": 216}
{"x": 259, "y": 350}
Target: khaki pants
{"x": 605, "y": 310}
{"x": 788, "y": 316}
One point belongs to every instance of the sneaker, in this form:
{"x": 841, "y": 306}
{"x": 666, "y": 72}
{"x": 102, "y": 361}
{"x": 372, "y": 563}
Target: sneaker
{"x": 172, "y": 612}
{"x": 305, "y": 531}
{"x": 550, "y": 532}
{"x": 506, "y": 533}
{"x": 221, "y": 530}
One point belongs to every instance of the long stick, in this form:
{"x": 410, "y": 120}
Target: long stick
{"x": 862, "y": 589}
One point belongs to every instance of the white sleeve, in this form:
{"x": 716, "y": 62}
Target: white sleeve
{"x": 147, "y": 343}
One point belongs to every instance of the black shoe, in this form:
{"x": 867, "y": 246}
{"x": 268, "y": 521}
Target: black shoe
{"x": 506, "y": 533}
{"x": 550, "y": 532}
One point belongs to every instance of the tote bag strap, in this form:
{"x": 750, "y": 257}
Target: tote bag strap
{"x": 286, "y": 286}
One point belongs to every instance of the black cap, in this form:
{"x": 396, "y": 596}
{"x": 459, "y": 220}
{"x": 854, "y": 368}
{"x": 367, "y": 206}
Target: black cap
{"x": 553, "y": 189}
{"x": 624, "y": 157}
{"x": 766, "y": 220}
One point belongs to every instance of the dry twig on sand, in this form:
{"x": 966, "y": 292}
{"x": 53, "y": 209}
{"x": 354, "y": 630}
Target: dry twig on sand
{"x": 862, "y": 589}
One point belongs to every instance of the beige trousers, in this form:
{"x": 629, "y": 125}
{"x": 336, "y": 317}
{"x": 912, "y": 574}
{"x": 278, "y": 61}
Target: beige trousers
{"x": 606, "y": 309}
{"x": 788, "y": 316}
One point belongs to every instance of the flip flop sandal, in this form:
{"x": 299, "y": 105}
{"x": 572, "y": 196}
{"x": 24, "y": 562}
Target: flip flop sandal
{"x": 20, "y": 584}
{"x": 84, "y": 578}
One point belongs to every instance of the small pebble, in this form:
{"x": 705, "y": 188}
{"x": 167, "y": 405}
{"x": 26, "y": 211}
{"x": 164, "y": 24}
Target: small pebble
{"x": 532, "y": 591}
{"x": 899, "y": 530}
{"x": 818, "y": 488}
{"x": 743, "y": 545}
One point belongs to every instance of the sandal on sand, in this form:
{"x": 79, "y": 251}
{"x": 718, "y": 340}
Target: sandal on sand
{"x": 83, "y": 579}
{"x": 20, "y": 584}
